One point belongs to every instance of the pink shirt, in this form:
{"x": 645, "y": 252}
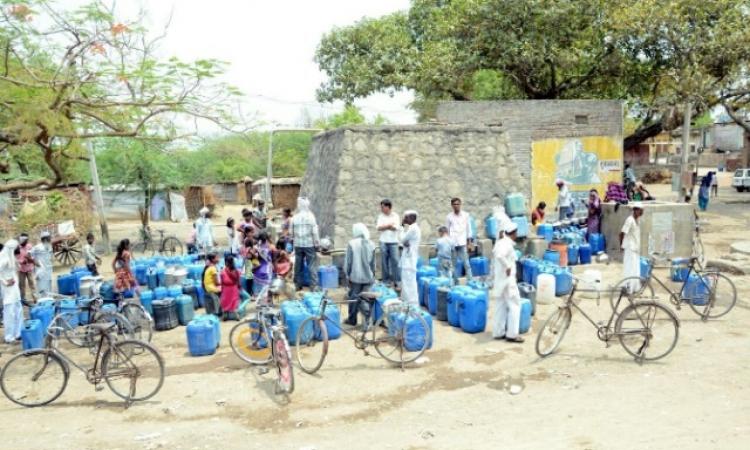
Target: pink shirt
{"x": 25, "y": 263}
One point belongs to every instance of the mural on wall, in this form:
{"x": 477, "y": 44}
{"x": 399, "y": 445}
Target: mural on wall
{"x": 583, "y": 162}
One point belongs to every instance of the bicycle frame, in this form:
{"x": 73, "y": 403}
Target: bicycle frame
{"x": 356, "y": 337}
{"x": 569, "y": 302}
{"x": 673, "y": 294}
{"x": 95, "y": 371}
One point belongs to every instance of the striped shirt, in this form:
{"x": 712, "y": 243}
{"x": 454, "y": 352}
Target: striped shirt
{"x": 305, "y": 230}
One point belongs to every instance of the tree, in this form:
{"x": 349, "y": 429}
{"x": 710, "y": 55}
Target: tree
{"x": 652, "y": 55}
{"x": 70, "y": 76}
{"x": 350, "y": 115}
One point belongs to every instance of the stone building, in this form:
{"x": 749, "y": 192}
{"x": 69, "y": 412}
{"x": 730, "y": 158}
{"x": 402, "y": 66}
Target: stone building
{"x": 419, "y": 167}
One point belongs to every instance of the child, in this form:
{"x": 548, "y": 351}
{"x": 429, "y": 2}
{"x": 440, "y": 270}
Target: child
{"x": 42, "y": 253}
{"x": 233, "y": 242}
{"x": 90, "y": 256}
{"x": 230, "y": 289}
{"x": 444, "y": 247}
{"x": 212, "y": 284}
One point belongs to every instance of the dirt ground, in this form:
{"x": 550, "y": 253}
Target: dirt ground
{"x": 586, "y": 396}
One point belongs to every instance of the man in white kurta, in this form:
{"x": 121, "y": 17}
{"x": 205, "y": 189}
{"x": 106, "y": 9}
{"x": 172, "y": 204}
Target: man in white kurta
{"x": 507, "y": 316}
{"x": 204, "y": 234}
{"x": 12, "y": 308}
{"x": 410, "y": 239}
{"x": 630, "y": 243}
{"x": 42, "y": 253}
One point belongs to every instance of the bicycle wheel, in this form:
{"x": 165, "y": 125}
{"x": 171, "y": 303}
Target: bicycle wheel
{"x": 123, "y": 328}
{"x": 140, "y": 320}
{"x": 553, "y": 331}
{"x": 144, "y": 248}
{"x": 401, "y": 336}
{"x": 133, "y": 370}
{"x": 250, "y": 343}
{"x": 65, "y": 325}
{"x": 721, "y": 298}
{"x": 34, "y": 378}
{"x": 311, "y": 352}
{"x": 638, "y": 288}
{"x": 171, "y": 246}
{"x": 647, "y": 330}
{"x": 283, "y": 359}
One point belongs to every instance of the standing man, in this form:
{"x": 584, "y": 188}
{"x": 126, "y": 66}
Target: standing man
{"x": 388, "y": 227}
{"x": 42, "y": 253}
{"x": 459, "y": 231}
{"x": 204, "y": 233}
{"x": 359, "y": 266}
{"x": 410, "y": 239}
{"x": 564, "y": 200}
{"x": 306, "y": 240}
{"x": 26, "y": 266}
{"x": 630, "y": 243}
{"x": 505, "y": 288}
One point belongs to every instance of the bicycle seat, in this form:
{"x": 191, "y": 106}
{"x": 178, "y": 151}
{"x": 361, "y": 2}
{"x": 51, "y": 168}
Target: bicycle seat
{"x": 101, "y": 327}
{"x": 370, "y": 296}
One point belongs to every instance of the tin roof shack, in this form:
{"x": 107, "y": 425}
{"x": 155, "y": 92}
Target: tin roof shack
{"x": 666, "y": 228}
{"x": 233, "y": 192}
{"x": 284, "y": 191}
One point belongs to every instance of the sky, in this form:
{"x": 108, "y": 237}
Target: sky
{"x": 270, "y": 47}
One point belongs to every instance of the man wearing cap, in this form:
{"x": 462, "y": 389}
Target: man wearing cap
{"x": 410, "y": 239}
{"x": 507, "y": 316}
{"x": 42, "y": 253}
{"x": 204, "y": 234}
{"x": 564, "y": 200}
{"x": 630, "y": 243}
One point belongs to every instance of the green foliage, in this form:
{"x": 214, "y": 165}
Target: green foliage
{"x": 351, "y": 115}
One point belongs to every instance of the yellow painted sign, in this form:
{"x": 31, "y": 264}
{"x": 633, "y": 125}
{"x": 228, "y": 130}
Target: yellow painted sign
{"x": 584, "y": 163}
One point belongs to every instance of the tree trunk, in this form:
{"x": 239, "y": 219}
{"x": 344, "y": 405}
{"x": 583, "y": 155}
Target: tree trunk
{"x": 641, "y": 134}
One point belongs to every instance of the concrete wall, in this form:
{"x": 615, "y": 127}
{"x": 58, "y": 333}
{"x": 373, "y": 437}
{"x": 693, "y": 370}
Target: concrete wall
{"x": 418, "y": 167}
{"x": 531, "y": 120}
{"x": 660, "y": 221}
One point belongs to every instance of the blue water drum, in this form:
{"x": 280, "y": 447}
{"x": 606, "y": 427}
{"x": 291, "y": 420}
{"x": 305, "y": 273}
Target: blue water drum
{"x": 214, "y": 321}
{"x": 573, "y": 254}
{"x": 679, "y": 272}
{"x": 195, "y": 271}
{"x": 423, "y": 290}
{"x": 185, "y": 310}
{"x": 385, "y": 294}
{"x": 472, "y": 311}
{"x": 596, "y": 240}
{"x": 525, "y": 323}
{"x": 153, "y": 280}
{"x": 515, "y": 205}
{"x": 32, "y": 334}
{"x": 328, "y": 277}
{"x": 413, "y": 330}
{"x": 201, "y": 294}
{"x": 584, "y": 253}
{"x": 530, "y": 270}
{"x": 480, "y": 266}
{"x": 333, "y": 323}
{"x": 645, "y": 268}
{"x": 697, "y": 291}
{"x": 78, "y": 275}
{"x": 434, "y": 262}
{"x": 459, "y": 268}
{"x": 522, "y": 222}
{"x": 146, "y": 298}
{"x": 141, "y": 274}
{"x": 201, "y": 338}
{"x": 79, "y": 269}
{"x": 546, "y": 230}
{"x": 66, "y": 284}
{"x": 552, "y": 256}
{"x": 563, "y": 281}
{"x": 435, "y": 283}
{"x": 425, "y": 271}
{"x": 161, "y": 276}
{"x": 454, "y": 298}
{"x": 294, "y": 313}
{"x": 490, "y": 227}
{"x": 160, "y": 293}
{"x": 84, "y": 314}
{"x": 107, "y": 291}
{"x": 70, "y": 307}
{"x": 43, "y": 312}
{"x": 174, "y": 291}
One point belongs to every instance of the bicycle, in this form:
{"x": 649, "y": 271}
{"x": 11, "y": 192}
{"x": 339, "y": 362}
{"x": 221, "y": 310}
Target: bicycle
{"x": 712, "y": 303}
{"x": 388, "y": 334}
{"x": 38, "y": 377}
{"x": 698, "y": 250}
{"x": 66, "y": 323}
{"x": 250, "y": 341}
{"x": 641, "y": 326}
{"x": 166, "y": 245}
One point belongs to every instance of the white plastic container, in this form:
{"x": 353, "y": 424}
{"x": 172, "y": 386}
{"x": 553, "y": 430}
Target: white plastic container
{"x": 545, "y": 290}
{"x": 591, "y": 284}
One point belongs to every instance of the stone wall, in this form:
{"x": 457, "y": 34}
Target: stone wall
{"x": 529, "y": 120}
{"x": 418, "y": 167}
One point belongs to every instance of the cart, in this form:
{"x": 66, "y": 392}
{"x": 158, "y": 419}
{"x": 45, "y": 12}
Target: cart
{"x": 66, "y": 246}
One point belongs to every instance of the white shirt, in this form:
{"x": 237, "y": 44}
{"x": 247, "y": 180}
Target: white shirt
{"x": 11, "y": 294}
{"x": 388, "y": 236}
{"x": 410, "y": 238}
{"x": 563, "y": 197}
{"x": 504, "y": 253}
{"x": 458, "y": 228}
{"x": 632, "y": 239}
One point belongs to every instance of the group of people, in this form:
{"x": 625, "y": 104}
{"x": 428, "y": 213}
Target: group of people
{"x": 566, "y": 208}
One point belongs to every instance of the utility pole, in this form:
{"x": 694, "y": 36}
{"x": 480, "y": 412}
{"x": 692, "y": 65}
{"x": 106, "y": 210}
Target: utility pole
{"x": 681, "y": 185}
{"x": 99, "y": 202}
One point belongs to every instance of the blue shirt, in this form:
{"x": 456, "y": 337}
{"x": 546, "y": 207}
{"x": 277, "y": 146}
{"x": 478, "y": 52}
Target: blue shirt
{"x": 444, "y": 246}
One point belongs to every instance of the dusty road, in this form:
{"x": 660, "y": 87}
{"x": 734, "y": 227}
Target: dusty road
{"x": 585, "y": 397}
